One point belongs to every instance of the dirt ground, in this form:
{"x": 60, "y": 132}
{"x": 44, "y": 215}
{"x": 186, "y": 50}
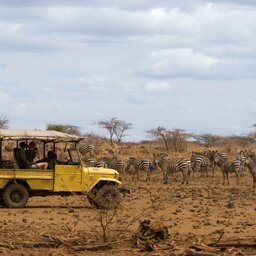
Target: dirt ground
{"x": 199, "y": 217}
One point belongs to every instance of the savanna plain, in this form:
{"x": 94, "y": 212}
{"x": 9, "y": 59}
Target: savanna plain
{"x": 202, "y": 217}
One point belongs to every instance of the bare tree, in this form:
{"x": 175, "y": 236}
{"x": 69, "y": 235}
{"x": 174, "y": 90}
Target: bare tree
{"x": 208, "y": 139}
{"x": 160, "y": 133}
{"x": 4, "y": 121}
{"x": 115, "y": 127}
{"x": 121, "y": 128}
{"x": 177, "y": 138}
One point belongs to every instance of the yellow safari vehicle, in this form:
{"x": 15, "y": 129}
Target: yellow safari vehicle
{"x": 18, "y": 183}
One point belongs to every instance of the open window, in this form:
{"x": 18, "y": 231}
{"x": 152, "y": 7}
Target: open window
{"x": 74, "y": 156}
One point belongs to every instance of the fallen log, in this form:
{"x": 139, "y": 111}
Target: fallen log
{"x": 99, "y": 247}
{"x": 237, "y": 243}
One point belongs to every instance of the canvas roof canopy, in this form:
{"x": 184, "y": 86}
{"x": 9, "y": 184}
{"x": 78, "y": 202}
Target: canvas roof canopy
{"x": 45, "y": 135}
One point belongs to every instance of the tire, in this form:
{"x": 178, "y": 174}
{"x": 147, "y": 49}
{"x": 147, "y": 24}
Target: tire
{"x": 15, "y": 196}
{"x": 1, "y": 200}
{"x": 107, "y": 197}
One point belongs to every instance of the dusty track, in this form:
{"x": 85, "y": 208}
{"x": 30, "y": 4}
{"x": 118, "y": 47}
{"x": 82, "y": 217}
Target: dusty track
{"x": 196, "y": 213}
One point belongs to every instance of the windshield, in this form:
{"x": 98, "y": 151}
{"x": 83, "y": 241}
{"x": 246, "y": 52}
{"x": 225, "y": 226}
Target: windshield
{"x": 74, "y": 156}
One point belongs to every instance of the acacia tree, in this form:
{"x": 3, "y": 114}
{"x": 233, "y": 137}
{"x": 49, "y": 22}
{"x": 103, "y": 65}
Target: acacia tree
{"x": 160, "y": 133}
{"x": 66, "y": 128}
{"x": 175, "y": 138}
{"x": 4, "y": 121}
{"x": 121, "y": 128}
{"x": 208, "y": 139}
{"x": 115, "y": 127}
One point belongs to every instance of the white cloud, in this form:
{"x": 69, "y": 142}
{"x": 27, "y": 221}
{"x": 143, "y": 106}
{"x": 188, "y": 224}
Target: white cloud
{"x": 188, "y": 63}
{"x": 157, "y": 87}
{"x": 178, "y": 63}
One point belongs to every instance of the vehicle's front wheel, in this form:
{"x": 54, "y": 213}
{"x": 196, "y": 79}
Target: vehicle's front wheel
{"x": 15, "y": 196}
{"x": 107, "y": 197}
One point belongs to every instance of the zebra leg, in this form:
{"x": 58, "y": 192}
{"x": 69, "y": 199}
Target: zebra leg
{"x": 165, "y": 177}
{"x": 183, "y": 178}
{"x": 213, "y": 171}
{"x": 227, "y": 177}
{"x": 224, "y": 177}
{"x": 148, "y": 176}
{"x": 186, "y": 176}
{"x": 237, "y": 177}
{"x": 135, "y": 174}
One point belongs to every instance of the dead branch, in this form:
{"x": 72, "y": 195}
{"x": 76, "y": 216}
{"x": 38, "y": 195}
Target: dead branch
{"x": 98, "y": 247}
{"x": 235, "y": 243}
{"x": 148, "y": 235}
{"x": 191, "y": 252}
{"x": 8, "y": 246}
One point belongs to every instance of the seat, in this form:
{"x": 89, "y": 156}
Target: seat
{"x": 20, "y": 157}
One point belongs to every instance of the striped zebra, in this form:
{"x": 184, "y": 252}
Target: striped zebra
{"x": 86, "y": 149}
{"x": 116, "y": 164}
{"x": 172, "y": 166}
{"x": 211, "y": 154}
{"x": 137, "y": 164}
{"x": 227, "y": 167}
{"x": 250, "y": 163}
{"x": 200, "y": 163}
{"x": 241, "y": 156}
{"x": 94, "y": 163}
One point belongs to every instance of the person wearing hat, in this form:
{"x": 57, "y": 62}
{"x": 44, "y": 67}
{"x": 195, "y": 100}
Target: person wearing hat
{"x": 31, "y": 153}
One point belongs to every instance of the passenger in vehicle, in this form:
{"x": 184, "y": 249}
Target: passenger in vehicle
{"x": 52, "y": 159}
{"x": 31, "y": 154}
{"x": 20, "y": 155}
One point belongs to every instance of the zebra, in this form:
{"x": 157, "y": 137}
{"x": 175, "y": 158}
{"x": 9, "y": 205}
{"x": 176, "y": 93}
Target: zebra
{"x": 250, "y": 163}
{"x": 86, "y": 149}
{"x": 172, "y": 166}
{"x": 228, "y": 167}
{"x": 115, "y": 164}
{"x": 138, "y": 164}
{"x": 94, "y": 163}
{"x": 200, "y": 162}
{"x": 211, "y": 154}
{"x": 241, "y": 156}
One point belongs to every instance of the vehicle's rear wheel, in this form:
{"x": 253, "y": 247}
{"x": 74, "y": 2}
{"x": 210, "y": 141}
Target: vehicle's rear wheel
{"x": 15, "y": 196}
{"x": 1, "y": 200}
{"x": 107, "y": 197}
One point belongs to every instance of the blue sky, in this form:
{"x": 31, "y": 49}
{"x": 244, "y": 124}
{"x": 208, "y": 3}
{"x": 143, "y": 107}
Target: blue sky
{"x": 177, "y": 64}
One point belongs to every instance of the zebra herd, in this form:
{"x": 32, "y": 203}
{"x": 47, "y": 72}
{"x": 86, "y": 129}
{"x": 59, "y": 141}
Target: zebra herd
{"x": 199, "y": 162}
